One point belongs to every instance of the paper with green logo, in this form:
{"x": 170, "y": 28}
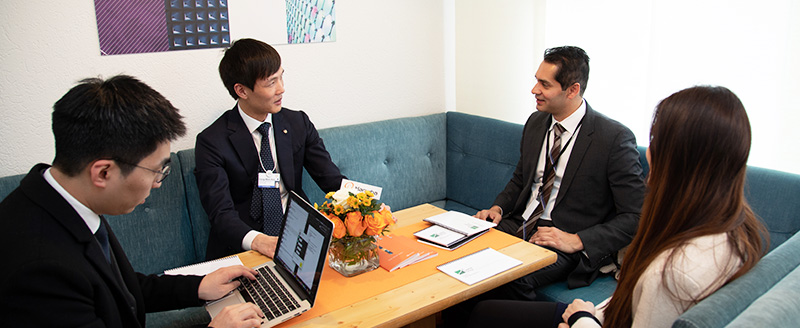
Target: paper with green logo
{"x": 478, "y": 266}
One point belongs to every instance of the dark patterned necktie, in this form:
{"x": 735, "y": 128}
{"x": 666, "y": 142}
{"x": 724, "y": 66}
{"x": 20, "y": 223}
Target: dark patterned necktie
{"x": 526, "y": 229}
{"x": 102, "y": 238}
{"x": 266, "y": 204}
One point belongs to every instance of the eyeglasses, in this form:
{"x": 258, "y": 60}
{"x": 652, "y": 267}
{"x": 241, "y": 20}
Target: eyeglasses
{"x": 160, "y": 175}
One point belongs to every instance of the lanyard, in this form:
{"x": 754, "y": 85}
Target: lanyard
{"x": 553, "y": 161}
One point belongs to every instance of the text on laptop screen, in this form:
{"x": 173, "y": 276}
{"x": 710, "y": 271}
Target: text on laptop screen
{"x": 301, "y": 243}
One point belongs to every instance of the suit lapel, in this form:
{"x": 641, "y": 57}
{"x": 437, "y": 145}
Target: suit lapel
{"x": 283, "y": 147}
{"x": 539, "y": 131}
{"x": 242, "y": 141}
{"x": 132, "y": 290}
{"x": 40, "y": 192}
{"x": 582, "y": 142}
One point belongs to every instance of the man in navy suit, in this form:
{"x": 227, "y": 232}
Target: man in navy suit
{"x": 237, "y": 177}
{"x": 62, "y": 264}
{"x": 593, "y": 206}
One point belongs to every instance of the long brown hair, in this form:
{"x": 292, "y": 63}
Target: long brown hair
{"x": 699, "y": 144}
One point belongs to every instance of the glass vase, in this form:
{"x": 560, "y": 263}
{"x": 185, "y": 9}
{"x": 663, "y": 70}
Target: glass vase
{"x": 352, "y": 256}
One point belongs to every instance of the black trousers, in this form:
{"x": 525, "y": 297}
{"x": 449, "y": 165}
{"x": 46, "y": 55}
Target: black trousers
{"x": 504, "y": 313}
{"x": 521, "y": 289}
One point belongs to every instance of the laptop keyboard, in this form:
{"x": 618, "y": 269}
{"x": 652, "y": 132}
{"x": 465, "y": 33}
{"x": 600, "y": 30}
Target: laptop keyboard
{"x": 268, "y": 293}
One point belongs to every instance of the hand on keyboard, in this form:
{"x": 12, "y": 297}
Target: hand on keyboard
{"x": 219, "y": 283}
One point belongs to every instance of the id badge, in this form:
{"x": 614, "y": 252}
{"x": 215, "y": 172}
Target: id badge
{"x": 269, "y": 180}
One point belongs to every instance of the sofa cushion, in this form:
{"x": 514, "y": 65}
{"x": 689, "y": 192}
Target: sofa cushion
{"x": 599, "y": 290}
{"x": 730, "y": 300}
{"x": 406, "y": 157}
{"x": 482, "y": 154}
{"x": 452, "y": 205}
{"x": 157, "y": 235}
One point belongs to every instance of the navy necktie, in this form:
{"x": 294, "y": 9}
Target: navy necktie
{"x": 102, "y": 237}
{"x": 266, "y": 204}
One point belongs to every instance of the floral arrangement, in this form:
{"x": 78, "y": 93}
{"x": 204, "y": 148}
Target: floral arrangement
{"x": 357, "y": 220}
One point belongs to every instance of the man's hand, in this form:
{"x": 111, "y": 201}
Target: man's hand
{"x": 265, "y": 244}
{"x": 493, "y": 214}
{"x": 576, "y": 306}
{"x": 219, "y": 283}
{"x": 245, "y": 315}
{"x": 553, "y": 237}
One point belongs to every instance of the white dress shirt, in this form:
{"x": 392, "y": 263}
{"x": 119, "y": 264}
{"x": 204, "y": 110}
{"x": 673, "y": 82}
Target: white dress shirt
{"x": 252, "y": 126}
{"x": 91, "y": 218}
{"x": 571, "y": 130}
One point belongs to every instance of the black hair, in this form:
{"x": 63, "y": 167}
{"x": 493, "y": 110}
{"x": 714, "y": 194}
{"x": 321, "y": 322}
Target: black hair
{"x": 245, "y": 62}
{"x": 573, "y": 66}
{"x": 120, "y": 118}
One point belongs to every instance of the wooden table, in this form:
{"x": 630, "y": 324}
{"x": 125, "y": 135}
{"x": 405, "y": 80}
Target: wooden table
{"x": 416, "y": 303}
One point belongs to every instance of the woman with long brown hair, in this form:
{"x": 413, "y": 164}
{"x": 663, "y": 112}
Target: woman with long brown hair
{"x": 696, "y": 232}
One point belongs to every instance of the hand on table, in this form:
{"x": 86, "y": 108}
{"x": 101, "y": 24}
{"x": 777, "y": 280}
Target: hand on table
{"x": 265, "y": 244}
{"x": 493, "y": 214}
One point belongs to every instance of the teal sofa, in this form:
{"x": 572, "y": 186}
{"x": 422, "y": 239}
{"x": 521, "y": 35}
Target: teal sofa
{"x": 458, "y": 162}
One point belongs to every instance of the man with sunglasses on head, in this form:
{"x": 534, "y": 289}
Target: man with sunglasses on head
{"x": 63, "y": 265}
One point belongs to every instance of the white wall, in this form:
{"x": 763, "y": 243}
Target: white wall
{"x": 641, "y": 52}
{"x": 496, "y": 57}
{"x": 387, "y": 62}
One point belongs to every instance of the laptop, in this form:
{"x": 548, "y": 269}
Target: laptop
{"x": 287, "y": 286}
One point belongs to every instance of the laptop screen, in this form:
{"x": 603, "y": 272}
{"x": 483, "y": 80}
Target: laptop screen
{"x": 303, "y": 243}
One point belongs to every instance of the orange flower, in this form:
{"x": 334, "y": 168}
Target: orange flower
{"x": 387, "y": 216}
{"x": 355, "y": 224}
{"x": 338, "y": 226}
{"x": 375, "y": 224}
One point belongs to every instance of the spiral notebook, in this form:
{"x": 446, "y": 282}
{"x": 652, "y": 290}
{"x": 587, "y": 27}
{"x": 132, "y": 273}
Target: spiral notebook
{"x": 204, "y": 268}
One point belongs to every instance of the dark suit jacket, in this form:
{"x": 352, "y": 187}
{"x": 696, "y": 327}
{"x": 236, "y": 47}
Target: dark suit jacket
{"x": 227, "y": 165}
{"x": 601, "y": 193}
{"x": 55, "y": 275}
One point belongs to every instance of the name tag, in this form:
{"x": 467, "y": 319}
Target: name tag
{"x": 269, "y": 180}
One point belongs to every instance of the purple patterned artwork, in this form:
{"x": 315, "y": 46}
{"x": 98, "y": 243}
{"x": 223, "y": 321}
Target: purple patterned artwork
{"x": 128, "y": 27}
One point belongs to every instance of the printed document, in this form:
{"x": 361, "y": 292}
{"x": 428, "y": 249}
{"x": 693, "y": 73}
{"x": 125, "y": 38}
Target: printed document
{"x": 479, "y": 266}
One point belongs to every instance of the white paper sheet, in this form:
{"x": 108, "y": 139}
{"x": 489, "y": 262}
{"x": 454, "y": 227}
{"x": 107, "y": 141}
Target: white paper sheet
{"x": 479, "y": 266}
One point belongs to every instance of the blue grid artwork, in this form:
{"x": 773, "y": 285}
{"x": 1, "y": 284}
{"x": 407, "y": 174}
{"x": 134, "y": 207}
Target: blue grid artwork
{"x": 194, "y": 24}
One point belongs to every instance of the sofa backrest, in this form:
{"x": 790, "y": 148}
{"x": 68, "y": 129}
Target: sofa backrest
{"x": 482, "y": 154}
{"x": 8, "y": 184}
{"x": 197, "y": 215}
{"x": 405, "y": 156}
{"x": 729, "y": 301}
{"x": 158, "y": 235}
{"x": 774, "y": 196}
{"x": 775, "y": 308}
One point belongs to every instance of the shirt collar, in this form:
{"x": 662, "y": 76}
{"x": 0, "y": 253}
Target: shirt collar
{"x": 91, "y": 218}
{"x": 570, "y": 123}
{"x": 251, "y": 123}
